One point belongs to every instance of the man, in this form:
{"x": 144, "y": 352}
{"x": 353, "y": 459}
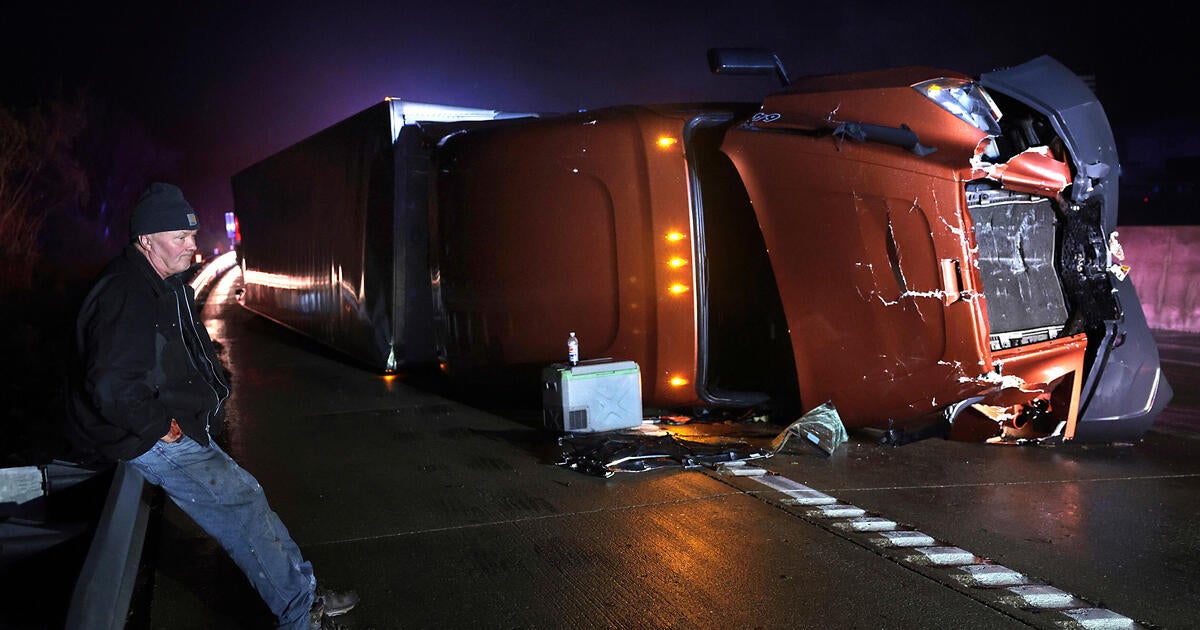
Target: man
{"x": 148, "y": 389}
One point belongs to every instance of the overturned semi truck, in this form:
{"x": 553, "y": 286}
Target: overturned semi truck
{"x": 918, "y": 246}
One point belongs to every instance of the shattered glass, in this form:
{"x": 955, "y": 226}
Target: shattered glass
{"x": 820, "y": 429}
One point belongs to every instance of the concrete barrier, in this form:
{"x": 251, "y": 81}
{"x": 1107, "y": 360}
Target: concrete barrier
{"x": 1164, "y": 263}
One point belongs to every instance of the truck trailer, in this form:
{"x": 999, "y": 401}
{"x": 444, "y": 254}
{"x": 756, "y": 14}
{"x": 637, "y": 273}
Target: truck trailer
{"x": 919, "y": 247}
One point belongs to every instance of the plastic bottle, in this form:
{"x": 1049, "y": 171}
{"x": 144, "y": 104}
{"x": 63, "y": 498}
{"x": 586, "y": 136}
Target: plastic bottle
{"x": 573, "y": 349}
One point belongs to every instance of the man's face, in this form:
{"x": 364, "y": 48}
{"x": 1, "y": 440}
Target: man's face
{"x": 169, "y": 252}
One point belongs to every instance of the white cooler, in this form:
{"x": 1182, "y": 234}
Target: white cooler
{"x": 591, "y": 397}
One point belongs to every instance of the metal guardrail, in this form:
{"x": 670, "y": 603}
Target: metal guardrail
{"x": 106, "y": 581}
{"x": 212, "y": 270}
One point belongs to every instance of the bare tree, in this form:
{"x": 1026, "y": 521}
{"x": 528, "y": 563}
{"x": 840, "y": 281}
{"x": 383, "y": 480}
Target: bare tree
{"x": 19, "y": 221}
{"x": 38, "y": 173}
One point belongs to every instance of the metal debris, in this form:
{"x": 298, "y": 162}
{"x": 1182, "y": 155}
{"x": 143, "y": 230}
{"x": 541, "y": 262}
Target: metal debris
{"x": 605, "y": 454}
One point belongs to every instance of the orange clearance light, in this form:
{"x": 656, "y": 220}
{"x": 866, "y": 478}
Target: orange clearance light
{"x": 666, "y": 142}
{"x": 676, "y": 263}
{"x": 678, "y": 381}
{"x": 388, "y": 378}
{"x": 678, "y": 289}
{"x": 675, "y": 236}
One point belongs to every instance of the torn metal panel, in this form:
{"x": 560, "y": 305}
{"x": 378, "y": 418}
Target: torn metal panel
{"x": 1124, "y": 389}
{"x": 1034, "y": 171}
{"x": 1114, "y": 247}
{"x": 1053, "y": 369}
{"x": 1076, "y": 117}
{"x": 995, "y": 380}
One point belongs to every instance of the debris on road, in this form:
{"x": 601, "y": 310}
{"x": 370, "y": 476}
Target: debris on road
{"x": 820, "y": 428}
{"x": 639, "y": 450}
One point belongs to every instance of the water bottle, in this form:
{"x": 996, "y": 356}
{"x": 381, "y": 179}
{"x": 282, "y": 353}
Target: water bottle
{"x": 573, "y": 349}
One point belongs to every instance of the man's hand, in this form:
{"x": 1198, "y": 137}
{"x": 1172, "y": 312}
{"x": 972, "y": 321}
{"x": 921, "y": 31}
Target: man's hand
{"x": 174, "y": 434}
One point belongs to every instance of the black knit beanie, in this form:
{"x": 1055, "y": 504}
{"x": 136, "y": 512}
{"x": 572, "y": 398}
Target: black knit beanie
{"x": 162, "y": 208}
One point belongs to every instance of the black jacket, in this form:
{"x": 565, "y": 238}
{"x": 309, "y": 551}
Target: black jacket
{"x": 143, "y": 358}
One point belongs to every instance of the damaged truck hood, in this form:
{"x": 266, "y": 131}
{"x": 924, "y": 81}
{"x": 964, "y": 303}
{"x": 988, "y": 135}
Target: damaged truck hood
{"x": 1124, "y": 390}
{"x": 945, "y": 256}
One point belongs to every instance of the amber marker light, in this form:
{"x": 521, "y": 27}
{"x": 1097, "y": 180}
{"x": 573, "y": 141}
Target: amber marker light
{"x": 675, "y": 237}
{"x": 666, "y": 142}
{"x": 388, "y": 378}
{"x": 676, "y": 263}
{"x": 678, "y": 381}
{"x": 678, "y": 289}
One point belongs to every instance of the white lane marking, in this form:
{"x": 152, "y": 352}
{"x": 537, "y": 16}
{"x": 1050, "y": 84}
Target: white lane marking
{"x": 1043, "y": 596}
{"x": 798, "y": 493}
{"x": 837, "y": 511}
{"x": 1100, "y": 619}
{"x": 782, "y": 484}
{"x": 946, "y": 556}
{"x": 1038, "y": 482}
{"x": 812, "y": 497}
{"x": 867, "y": 524}
{"x": 993, "y": 575}
{"x": 907, "y": 539}
{"x": 740, "y": 469}
{"x": 975, "y": 571}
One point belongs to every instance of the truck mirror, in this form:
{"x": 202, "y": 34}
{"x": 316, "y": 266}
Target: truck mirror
{"x": 761, "y": 61}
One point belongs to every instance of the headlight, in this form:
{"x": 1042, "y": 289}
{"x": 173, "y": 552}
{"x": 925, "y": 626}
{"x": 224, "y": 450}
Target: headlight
{"x": 966, "y": 100}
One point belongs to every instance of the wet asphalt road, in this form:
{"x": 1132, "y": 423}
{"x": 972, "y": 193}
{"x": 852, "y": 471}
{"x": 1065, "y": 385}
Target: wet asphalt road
{"x": 444, "y": 514}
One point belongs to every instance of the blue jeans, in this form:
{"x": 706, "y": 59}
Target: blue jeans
{"x": 227, "y": 502}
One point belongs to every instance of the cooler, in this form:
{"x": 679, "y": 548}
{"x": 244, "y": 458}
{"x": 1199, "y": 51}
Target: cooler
{"x": 591, "y": 397}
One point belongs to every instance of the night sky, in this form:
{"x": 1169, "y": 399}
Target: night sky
{"x": 225, "y": 84}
